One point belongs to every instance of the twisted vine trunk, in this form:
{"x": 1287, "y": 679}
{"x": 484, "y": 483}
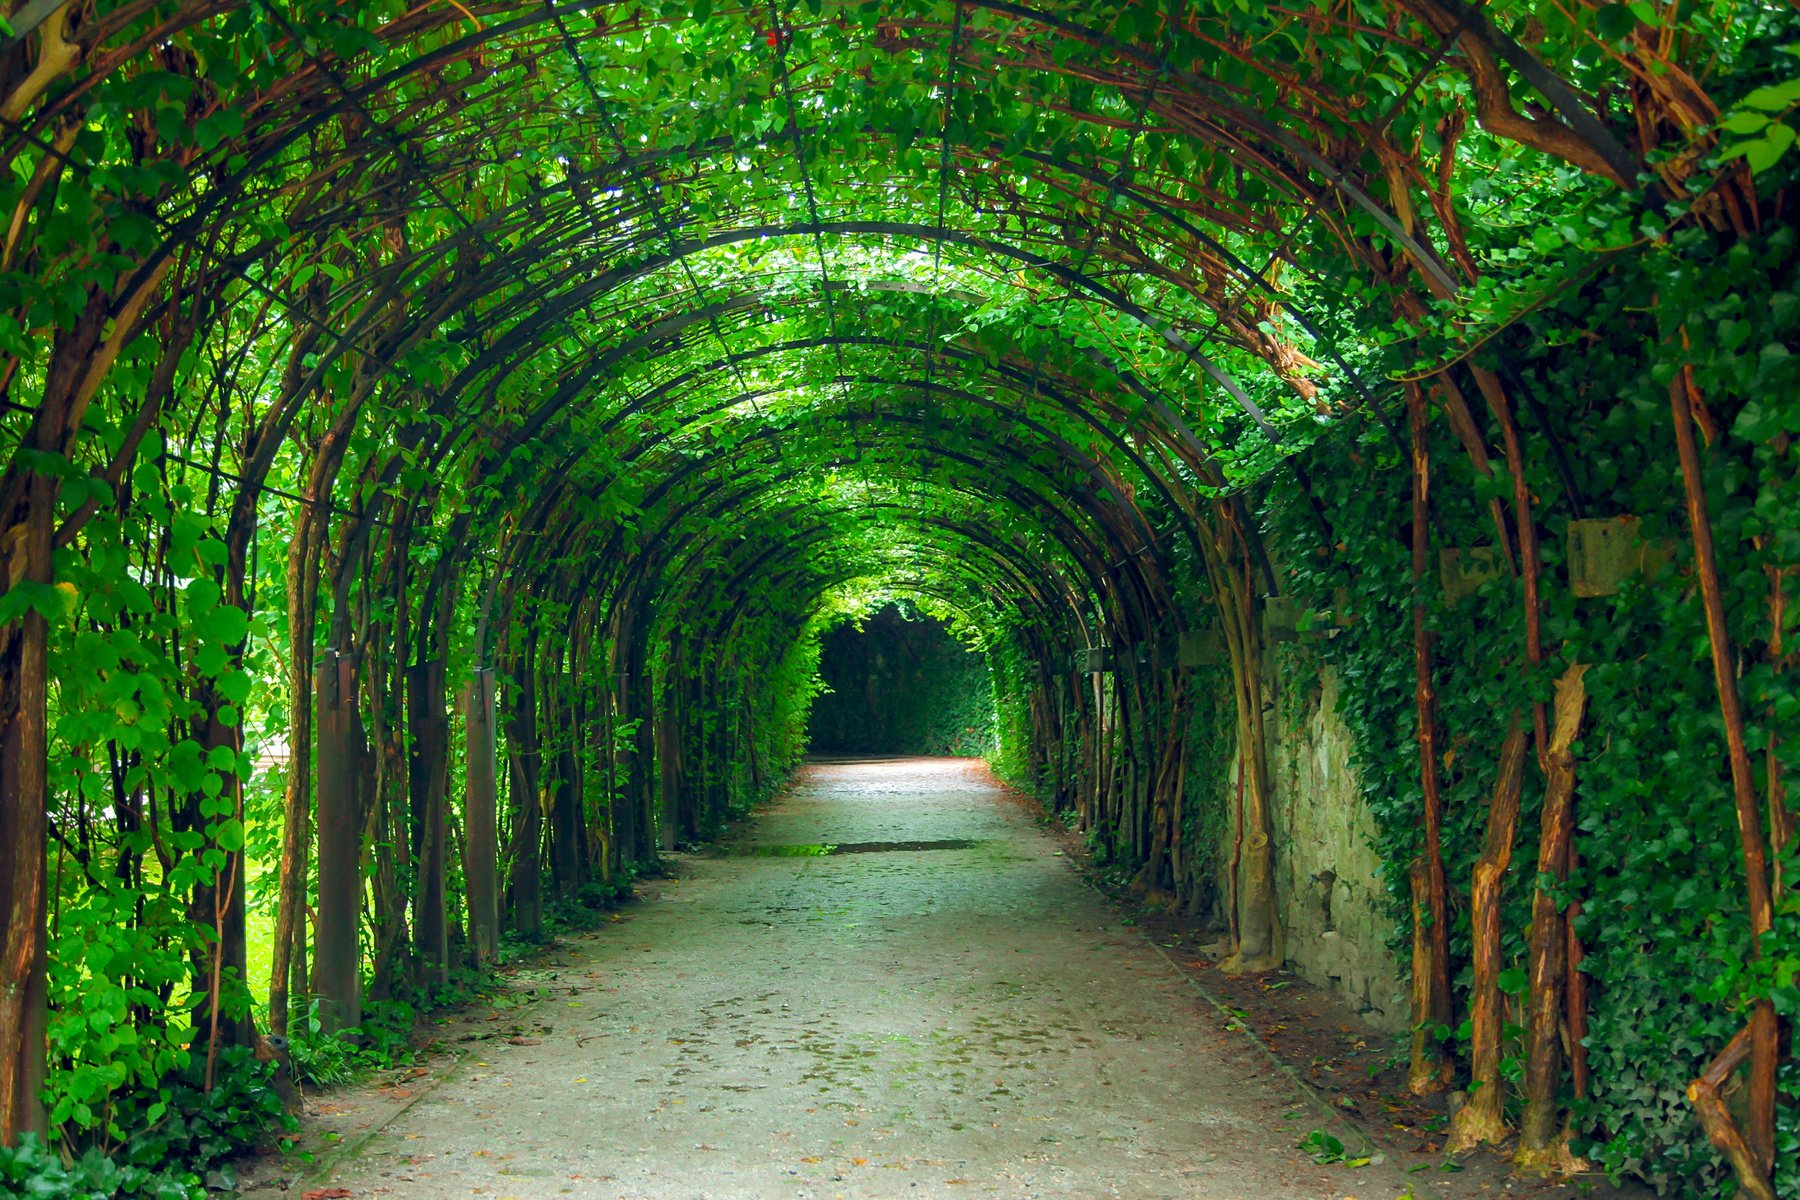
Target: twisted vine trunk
{"x": 1539, "y": 1149}
{"x": 527, "y": 801}
{"x": 1751, "y": 1151}
{"x": 1429, "y": 1070}
{"x": 481, "y": 853}
{"x": 296, "y": 823}
{"x": 1483, "y": 1118}
{"x": 1258, "y": 925}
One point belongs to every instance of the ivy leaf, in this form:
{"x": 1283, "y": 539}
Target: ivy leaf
{"x": 225, "y": 124}
{"x": 1769, "y": 149}
{"x": 1777, "y": 97}
{"x": 1615, "y": 21}
{"x": 229, "y": 835}
{"x": 226, "y": 624}
{"x": 1744, "y": 122}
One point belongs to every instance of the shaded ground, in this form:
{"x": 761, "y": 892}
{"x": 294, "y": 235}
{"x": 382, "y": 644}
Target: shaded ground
{"x": 1358, "y": 1070}
{"x": 895, "y": 986}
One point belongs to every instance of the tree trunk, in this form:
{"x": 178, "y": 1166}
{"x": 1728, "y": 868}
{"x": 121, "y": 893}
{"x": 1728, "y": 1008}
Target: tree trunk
{"x": 24, "y": 801}
{"x": 1430, "y": 1070}
{"x": 568, "y": 841}
{"x": 481, "y": 870}
{"x": 528, "y": 805}
{"x": 337, "y": 957}
{"x": 1483, "y": 1118}
{"x": 1538, "y": 1150}
{"x": 302, "y": 590}
{"x": 425, "y": 713}
{"x": 1765, "y": 1031}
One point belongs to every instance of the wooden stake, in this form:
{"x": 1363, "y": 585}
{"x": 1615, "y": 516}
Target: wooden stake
{"x": 1764, "y": 1030}
{"x": 1483, "y": 1118}
{"x": 1430, "y": 1070}
{"x": 1538, "y": 1150}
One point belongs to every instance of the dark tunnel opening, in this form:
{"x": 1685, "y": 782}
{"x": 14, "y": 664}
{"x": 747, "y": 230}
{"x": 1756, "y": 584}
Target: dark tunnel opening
{"x": 900, "y": 682}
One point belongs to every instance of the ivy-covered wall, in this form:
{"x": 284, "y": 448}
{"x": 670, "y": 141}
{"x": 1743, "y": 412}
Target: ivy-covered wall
{"x": 1662, "y": 922}
{"x": 900, "y": 683}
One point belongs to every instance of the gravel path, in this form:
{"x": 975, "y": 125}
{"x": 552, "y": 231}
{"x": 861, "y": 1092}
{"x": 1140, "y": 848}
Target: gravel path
{"x": 939, "y": 1008}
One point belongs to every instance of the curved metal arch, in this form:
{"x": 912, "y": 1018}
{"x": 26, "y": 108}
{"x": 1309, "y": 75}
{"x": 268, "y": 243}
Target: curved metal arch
{"x": 761, "y": 436}
{"x": 798, "y": 551}
{"x": 1151, "y": 63}
{"x": 1089, "y": 558}
{"x": 712, "y": 499}
{"x": 1021, "y": 383}
{"x": 652, "y": 263}
{"x": 1093, "y": 467}
{"x": 935, "y": 522}
{"x": 803, "y": 544}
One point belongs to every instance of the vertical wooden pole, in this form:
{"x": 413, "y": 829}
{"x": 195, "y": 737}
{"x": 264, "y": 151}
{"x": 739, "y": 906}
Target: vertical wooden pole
{"x": 1765, "y": 1032}
{"x": 1530, "y": 566}
{"x": 527, "y": 801}
{"x": 1429, "y": 1071}
{"x": 24, "y": 802}
{"x": 1483, "y": 1118}
{"x": 425, "y": 713}
{"x": 1549, "y": 947}
{"x": 337, "y": 957}
{"x": 481, "y": 863}
{"x": 568, "y": 829}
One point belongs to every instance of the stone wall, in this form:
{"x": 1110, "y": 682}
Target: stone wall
{"x": 1336, "y": 915}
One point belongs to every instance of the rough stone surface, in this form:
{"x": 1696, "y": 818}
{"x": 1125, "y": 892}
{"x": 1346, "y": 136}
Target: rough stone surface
{"x": 1335, "y": 913}
{"x": 1334, "y": 905}
{"x": 887, "y": 1023}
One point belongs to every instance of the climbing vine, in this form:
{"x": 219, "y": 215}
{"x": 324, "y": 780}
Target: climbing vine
{"x": 437, "y": 438}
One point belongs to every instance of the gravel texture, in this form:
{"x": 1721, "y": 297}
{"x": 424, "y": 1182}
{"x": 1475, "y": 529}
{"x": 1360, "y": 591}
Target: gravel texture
{"x": 944, "y": 1010}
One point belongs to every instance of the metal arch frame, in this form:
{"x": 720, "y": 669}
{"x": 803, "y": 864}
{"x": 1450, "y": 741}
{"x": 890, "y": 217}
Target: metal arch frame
{"x": 1082, "y": 550}
{"x": 701, "y": 467}
{"x": 638, "y": 574}
{"x": 1094, "y": 467}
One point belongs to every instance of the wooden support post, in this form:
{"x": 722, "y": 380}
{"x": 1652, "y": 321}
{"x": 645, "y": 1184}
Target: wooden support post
{"x": 337, "y": 956}
{"x": 24, "y": 802}
{"x": 1483, "y": 1118}
{"x": 425, "y": 712}
{"x": 568, "y": 828}
{"x": 481, "y": 856}
{"x": 1539, "y": 1149}
{"x": 1765, "y": 1031}
{"x": 1715, "y": 1118}
{"x": 642, "y": 793}
{"x": 523, "y": 753}
{"x": 1430, "y": 1069}
{"x": 222, "y": 902}
{"x": 1530, "y": 564}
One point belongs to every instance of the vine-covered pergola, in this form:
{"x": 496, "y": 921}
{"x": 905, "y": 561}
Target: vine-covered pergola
{"x": 435, "y": 435}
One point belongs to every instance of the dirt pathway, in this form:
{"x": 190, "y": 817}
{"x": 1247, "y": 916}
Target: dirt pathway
{"x": 940, "y": 1007}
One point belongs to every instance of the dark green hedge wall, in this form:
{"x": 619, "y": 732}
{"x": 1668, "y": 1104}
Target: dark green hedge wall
{"x": 901, "y": 684}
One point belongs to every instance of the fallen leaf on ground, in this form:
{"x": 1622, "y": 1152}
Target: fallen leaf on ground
{"x": 524, "y": 1041}
{"x": 327, "y": 1194}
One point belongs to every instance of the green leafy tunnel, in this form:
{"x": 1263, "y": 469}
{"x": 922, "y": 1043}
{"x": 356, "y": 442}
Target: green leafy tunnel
{"x": 437, "y": 436}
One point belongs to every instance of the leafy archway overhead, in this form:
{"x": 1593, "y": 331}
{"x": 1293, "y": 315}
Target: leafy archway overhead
{"x": 355, "y": 354}
{"x": 516, "y": 239}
